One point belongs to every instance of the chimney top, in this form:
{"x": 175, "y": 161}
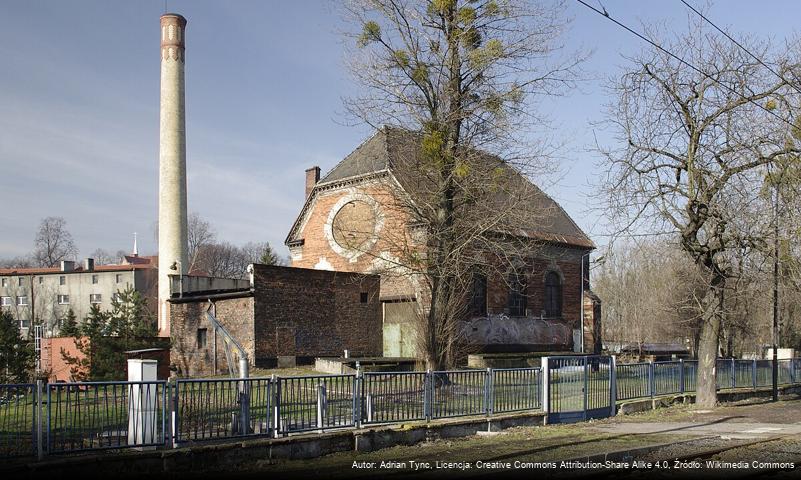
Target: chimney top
{"x": 67, "y": 265}
{"x": 312, "y": 177}
{"x": 172, "y": 36}
{"x": 89, "y": 264}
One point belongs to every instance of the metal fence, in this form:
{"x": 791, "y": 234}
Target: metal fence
{"x": 72, "y": 417}
{"x": 641, "y": 380}
{"x": 18, "y": 420}
{"x": 105, "y": 415}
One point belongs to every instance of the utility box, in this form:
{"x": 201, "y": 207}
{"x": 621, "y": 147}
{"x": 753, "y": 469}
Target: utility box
{"x": 142, "y": 403}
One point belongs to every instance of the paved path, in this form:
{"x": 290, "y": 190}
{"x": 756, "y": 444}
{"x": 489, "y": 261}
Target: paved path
{"x": 721, "y": 427}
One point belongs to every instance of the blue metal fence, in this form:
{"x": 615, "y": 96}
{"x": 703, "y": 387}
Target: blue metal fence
{"x": 90, "y": 416}
{"x": 18, "y": 407}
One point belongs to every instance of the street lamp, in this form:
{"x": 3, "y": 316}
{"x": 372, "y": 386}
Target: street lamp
{"x": 597, "y": 261}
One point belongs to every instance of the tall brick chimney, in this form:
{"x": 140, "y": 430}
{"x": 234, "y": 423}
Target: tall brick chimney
{"x": 312, "y": 177}
{"x": 173, "y": 244}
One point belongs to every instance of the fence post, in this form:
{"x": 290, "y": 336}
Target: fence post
{"x": 488, "y": 397}
{"x": 545, "y": 401}
{"x": 357, "y": 399}
{"x": 733, "y": 374}
{"x": 38, "y": 400}
{"x": 428, "y": 394}
{"x": 754, "y": 373}
{"x": 277, "y": 405}
{"x": 176, "y": 412}
{"x": 586, "y": 389}
{"x": 321, "y": 406}
{"x": 651, "y": 378}
{"x": 613, "y": 386}
{"x": 681, "y": 376}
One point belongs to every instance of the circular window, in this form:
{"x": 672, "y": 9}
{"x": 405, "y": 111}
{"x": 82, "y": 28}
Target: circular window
{"x": 354, "y": 225}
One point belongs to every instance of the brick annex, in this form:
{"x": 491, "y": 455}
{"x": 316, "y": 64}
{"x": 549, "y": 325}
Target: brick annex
{"x": 288, "y": 314}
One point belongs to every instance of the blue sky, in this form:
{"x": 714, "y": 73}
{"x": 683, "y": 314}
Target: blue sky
{"x": 79, "y": 88}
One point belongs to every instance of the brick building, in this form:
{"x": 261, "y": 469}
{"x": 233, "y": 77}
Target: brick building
{"x": 351, "y": 221}
{"x": 286, "y": 314}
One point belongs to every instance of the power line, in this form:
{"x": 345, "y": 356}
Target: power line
{"x": 656, "y": 45}
{"x": 781, "y": 77}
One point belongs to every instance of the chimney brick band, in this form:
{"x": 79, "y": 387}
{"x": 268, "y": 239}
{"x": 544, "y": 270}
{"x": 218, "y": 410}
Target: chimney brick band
{"x": 173, "y": 27}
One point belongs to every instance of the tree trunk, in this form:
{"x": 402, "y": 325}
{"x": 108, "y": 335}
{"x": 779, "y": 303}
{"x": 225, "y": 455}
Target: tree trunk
{"x": 706, "y": 395}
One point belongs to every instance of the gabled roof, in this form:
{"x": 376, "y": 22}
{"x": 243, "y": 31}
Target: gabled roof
{"x": 398, "y": 151}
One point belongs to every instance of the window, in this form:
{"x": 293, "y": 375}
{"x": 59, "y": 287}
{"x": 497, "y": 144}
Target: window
{"x": 63, "y": 299}
{"x": 95, "y": 298}
{"x": 5, "y": 301}
{"x": 94, "y": 278}
{"x": 517, "y": 295}
{"x": 19, "y": 281}
{"x": 5, "y": 282}
{"x": 553, "y": 295}
{"x": 41, "y": 279}
{"x": 22, "y": 300}
{"x": 363, "y": 297}
{"x": 202, "y": 337}
{"x": 62, "y": 280}
{"x": 478, "y": 298}
{"x": 118, "y": 278}
{"x": 24, "y": 323}
{"x": 115, "y": 297}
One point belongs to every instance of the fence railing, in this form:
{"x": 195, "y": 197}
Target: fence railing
{"x": 85, "y": 416}
{"x": 105, "y": 415}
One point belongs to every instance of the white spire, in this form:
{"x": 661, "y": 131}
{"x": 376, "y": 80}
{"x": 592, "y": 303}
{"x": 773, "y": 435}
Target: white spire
{"x": 135, "y": 249}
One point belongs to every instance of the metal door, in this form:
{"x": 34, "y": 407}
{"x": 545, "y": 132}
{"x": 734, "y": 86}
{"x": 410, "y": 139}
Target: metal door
{"x": 578, "y": 388}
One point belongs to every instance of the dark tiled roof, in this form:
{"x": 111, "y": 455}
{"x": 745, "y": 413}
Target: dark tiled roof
{"x": 398, "y": 150}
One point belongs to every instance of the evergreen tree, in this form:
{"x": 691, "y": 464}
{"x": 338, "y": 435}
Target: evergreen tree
{"x": 106, "y": 336}
{"x": 69, "y": 325}
{"x": 16, "y": 355}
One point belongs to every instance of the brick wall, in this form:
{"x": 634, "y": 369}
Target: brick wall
{"x": 291, "y": 312}
{"x": 307, "y": 313}
{"x": 235, "y": 314}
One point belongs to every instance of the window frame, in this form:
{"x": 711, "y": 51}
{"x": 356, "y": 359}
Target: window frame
{"x": 517, "y": 301}
{"x": 92, "y": 298}
{"x": 19, "y": 302}
{"x": 552, "y": 303}
{"x": 61, "y": 297}
{"x": 202, "y": 338}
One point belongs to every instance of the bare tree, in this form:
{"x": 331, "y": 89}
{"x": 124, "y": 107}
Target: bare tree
{"x": 103, "y": 257}
{"x": 464, "y": 76}
{"x": 53, "y": 243}
{"x": 200, "y": 233}
{"x": 693, "y": 148}
{"x": 23, "y": 261}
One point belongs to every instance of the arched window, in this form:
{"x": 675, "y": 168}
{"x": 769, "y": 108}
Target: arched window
{"x": 553, "y": 295}
{"x": 478, "y": 299}
{"x": 517, "y": 295}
